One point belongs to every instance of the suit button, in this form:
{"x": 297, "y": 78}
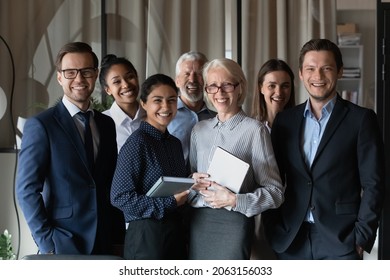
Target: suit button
{"x": 312, "y": 208}
{"x": 309, "y": 183}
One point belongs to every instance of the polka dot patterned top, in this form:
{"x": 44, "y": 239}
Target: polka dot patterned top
{"x": 146, "y": 155}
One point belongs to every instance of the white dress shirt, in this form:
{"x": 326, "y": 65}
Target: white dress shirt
{"x": 124, "y": 125}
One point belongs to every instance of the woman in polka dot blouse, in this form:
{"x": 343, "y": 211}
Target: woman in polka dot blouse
{"x": 155, "y": 229}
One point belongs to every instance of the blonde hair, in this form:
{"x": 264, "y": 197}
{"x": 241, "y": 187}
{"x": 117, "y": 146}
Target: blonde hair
{"x": 233, "y": 69}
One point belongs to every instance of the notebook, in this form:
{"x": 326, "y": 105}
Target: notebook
{"x": 166, "y": 186}
{"x": 227, "y": 170}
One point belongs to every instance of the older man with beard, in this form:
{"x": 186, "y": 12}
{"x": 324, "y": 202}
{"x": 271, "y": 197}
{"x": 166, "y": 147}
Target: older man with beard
{"x": 191, "y": 107}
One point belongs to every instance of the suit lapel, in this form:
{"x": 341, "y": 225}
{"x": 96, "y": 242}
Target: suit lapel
{"x": 338, "y": 114}
{"x": 100, "y": 128}
{"x": 300, "y": 121}
{"x": 66, "y": 122}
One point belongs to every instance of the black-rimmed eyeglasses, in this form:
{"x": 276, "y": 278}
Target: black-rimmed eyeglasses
{"x": 226, "y": 87}
{"x": 85, "y": 72}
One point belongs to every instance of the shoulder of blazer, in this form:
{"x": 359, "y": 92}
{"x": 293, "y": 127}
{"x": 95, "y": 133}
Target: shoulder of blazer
{"x": 349, "y": 105}
{"x": 294, "y": 114}
{"x": 61, "y": 114}
{"x": 57, "y": 112}
{"x": 299, "y": 109}
{"x": 356, "y": 112}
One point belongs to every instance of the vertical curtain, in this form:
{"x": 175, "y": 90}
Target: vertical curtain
{"x": 153, "y": 34}
{"x": 127, "y": 31}
{"x": 314, "y": 19}
{"x": 269, "y": 29}
{"x": 177, "y": 26}
{"x": 278, "y": 29}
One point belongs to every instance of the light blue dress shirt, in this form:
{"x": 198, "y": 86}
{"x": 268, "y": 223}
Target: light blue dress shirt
{"x": 185, "y": 119}
{"x": 313, "y": 130}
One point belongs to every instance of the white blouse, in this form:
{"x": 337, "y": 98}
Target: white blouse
{"x": 124, "y": 125}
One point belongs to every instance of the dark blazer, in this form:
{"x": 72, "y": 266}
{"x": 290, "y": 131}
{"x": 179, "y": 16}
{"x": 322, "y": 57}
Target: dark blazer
{"x": 344, "y": 186}
{"x": 66, "y": 206}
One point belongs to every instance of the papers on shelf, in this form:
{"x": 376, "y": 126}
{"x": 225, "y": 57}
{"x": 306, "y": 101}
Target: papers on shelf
{"x": 351, "y": 73}
{"x": 347, "y": 39}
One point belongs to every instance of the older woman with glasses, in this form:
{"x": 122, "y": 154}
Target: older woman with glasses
{"x": 222, "y": 224}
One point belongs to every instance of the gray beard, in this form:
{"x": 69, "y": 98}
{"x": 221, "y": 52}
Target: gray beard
{"x": 191, "y": 98}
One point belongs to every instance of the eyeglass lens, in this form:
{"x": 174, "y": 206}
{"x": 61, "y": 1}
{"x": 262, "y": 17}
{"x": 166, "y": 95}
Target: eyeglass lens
{"x": 228, "y": 87}
{"x": 85, "y": 72}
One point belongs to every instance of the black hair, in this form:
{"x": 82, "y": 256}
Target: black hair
{"x": 108, "y": 61}
{"x": 155, "y": 80}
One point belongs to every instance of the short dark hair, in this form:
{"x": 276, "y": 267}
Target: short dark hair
{"x": 321, "y": 45}
{"x": 155, "y": 80}
{"x": 75, "y": 47}
{"x": 259, "y": 108}
{"x": 108, "y": 61}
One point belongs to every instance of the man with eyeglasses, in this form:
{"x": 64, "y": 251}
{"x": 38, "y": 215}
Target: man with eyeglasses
{"x": 191, "y": 107}
{"x": 66, "y": 164}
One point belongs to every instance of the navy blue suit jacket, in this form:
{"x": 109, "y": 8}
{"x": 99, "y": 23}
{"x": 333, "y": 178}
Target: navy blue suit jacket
{"x": 66, "y": 206}
{"x": 344, "y": 186}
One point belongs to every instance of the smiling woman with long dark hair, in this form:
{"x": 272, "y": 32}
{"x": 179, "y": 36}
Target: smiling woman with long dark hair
{"x": 155, "y": 228}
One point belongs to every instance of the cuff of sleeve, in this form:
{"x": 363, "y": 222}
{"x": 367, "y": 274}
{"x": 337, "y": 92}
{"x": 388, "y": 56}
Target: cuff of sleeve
{"x": 195, "y": 199}
{"x": 172, "y": 203}
{"x": 191, "y": 195}
{"x": 49, "y": 252}
{"x": 47, "y": 247}
{"x": 240, "y": 203}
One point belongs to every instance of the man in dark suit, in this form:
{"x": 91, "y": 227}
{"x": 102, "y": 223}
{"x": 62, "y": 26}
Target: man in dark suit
{"x": 330, "y": 154}
{"x": 64, "y": 197}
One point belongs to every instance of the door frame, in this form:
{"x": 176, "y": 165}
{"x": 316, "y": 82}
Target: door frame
{"x": 383, "y": 112}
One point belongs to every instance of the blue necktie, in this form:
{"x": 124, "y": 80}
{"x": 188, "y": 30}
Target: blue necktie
{"x": 88, "y": 142}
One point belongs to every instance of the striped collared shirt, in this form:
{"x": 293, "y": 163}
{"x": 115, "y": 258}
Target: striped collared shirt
{"x": 250, "y": 141}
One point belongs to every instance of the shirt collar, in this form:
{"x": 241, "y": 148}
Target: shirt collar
{"x": 326, "y": 109}
{"x": 232, "y": 122}
{"x": 154, "y": 132}
{"x": 121, "y": 117}
{"x": 181, "y": 104}
{"x": 73, "y": 109}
